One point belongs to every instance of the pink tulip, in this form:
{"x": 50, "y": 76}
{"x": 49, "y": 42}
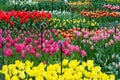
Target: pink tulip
{"x": 47, "y": 45}
{"x": 43, "y": 50}
{"x": 46, "y": 50}
{"x": 8, "y": 52}
{"x": 76, "y": 49}
{"x": 56, "y": 48}
{"x": 37, "y": 55}
{"x": 79, "y": 34}
{"x": 83, "y": 41}
{"x": 39, "y": 47}
{"x": 67, "y": 52}
{"x": 51, "y": 40}
{"x": 52, "y": 50}
{"x": 111, "y": 42}
{"x": 27, "y": 49}
{"x": 116, "y": 38}
{"x": 53, "y": 30}
{"x": 43, "y": 40}
{"x": 86, "y": 36}
{"x": 12, "y": 42}
{"x": 71, "y": 48}
{"x": 28, "y": 40}
{"x": 22, "y": 56}
{"x": 83, "y": 53}
{"x": 18, "y": 39}
{"x": 46, "y": 41}
{"x": 32, "y": 35}
{"x": 34, "y": 48}
{"x": 32, "y": 52}
{"x": 8, "y": 45}
{"x": 19, "y": 47}
{"x": 66, "y": 43}
{"x": 8, "y": 38}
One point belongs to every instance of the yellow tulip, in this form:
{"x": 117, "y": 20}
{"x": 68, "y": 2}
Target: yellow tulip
{"x": 14, "y": 78}
{"x": 65, "y": 62}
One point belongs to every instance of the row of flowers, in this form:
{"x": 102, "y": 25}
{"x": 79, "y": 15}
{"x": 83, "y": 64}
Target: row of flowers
{"x": 79, "y": 3}
{"x": 51, "y": 39}
{"x": 111, "y": 7}
{"x": 15, "y": 17}
{"x": 99, "y": 14}
{"x": 69, "y": 23}
{"x": 33, "y": 19}
{"x": 92, "y": 36}
{"x": 35, "y": 43}
{"x": 71, "y": 70}
{"x": 113, "y": 1}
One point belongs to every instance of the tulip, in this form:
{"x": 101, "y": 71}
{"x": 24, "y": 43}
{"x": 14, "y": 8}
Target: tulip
{"x": 39, "y": 47}
{"x": 56, "y": 48}
{"x": 111, "y": 42}
{"x": 52, "y": 50}
{"x": 83, "y": 41}
{"x": 106, "y": 44}
{"x": 37, "y": 55}
{"x": 22, "y": 56}
{"x": 46, "y": 50}
{"x": 67, "y": 52}
{"x": 91, "y": 47}
{"x": 76, "y": 49}
{"x": 83, "y": 53}
{"x": 12, "y": 42}
{"x": 27, "y": 49}
{"x": 11, "y": 23}
{"x": 32, "y": 52}
{"x": 8, "y": 52}
{"x": 8, "y": 45}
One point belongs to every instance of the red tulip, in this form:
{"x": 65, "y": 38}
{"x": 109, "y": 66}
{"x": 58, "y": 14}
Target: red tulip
{"x": 11, "y": 23}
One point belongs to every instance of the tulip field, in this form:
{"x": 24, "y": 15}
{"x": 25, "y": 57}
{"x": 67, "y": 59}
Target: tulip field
{"x": 60, "y": 40}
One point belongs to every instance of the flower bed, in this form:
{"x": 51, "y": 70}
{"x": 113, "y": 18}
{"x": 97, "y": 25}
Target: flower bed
{"x": 71, "y": 70}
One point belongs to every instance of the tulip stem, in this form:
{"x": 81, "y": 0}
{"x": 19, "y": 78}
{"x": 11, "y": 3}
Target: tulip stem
{"x": 41, "y": 37}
